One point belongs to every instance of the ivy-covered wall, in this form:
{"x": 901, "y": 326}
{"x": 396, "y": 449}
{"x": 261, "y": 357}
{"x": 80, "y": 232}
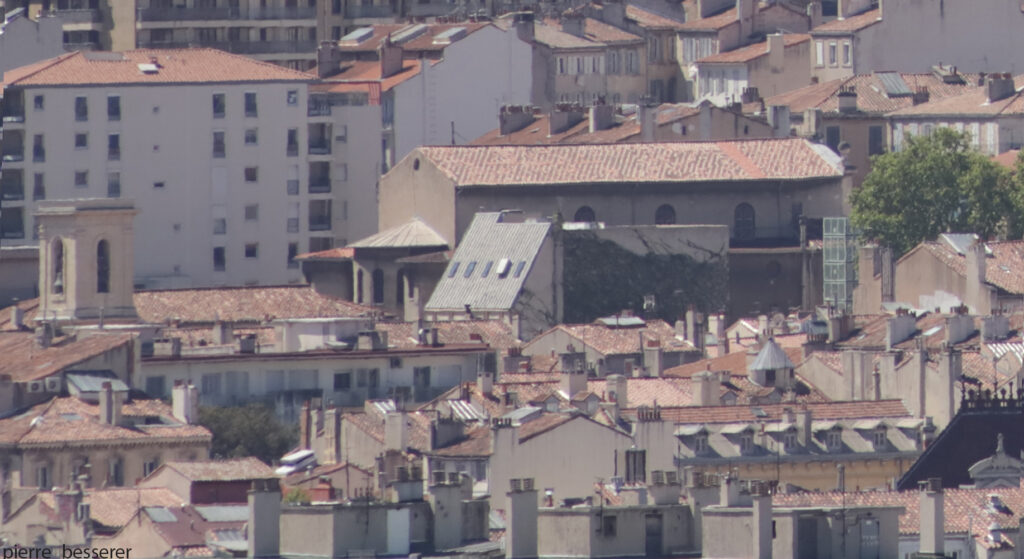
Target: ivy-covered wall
{"x": 601, "y": 278}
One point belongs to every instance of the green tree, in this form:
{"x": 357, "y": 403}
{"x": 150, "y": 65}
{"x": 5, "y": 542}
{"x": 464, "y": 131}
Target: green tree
{"x": 936, "y": 184}
{"x": 251, "y": 430}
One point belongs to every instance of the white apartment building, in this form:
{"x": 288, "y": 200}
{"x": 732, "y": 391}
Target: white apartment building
{"x": 207, "y": 144}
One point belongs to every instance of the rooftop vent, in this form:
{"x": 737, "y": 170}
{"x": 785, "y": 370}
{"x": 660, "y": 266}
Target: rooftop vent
{"x": 409, "y": 33}
{"x": 450, "y": 36}
{"x": 358, "y": 36}
{"x": 149, "y": 68}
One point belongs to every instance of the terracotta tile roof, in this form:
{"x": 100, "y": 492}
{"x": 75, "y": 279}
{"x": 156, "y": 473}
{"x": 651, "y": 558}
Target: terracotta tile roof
{"x": 477, "y": 442}
{"x": 176, "y": 66}
{"x": 773, "y": 412}
{"x": 495, "y": 333}
{"x": 550, "y": 34}
{"x": 973, "y": 101}
{"x": 1007, "y": 159}
{"x": 603, "y": 33}
{"x": 618, "y": 341}
{"x": 414, "y": 233}
{"x": 871, "y": 93}
{"x": 238, "y": 469}
{"x": 537, "y": 132}
{"x": 787, "y": 158}
{"x": 373, "y": 425}
{"x": 651, "y": 20}
{"x": 339, "y": 253}
{"x": 1004, "y": 268}
{"x": 735, "y": 362}
{"x": 241, "y": 304}
{"x": 367, "y": 72}
{"x": 301, "y": 477}
{"x": 113, "y": 508}
{"x": 716, "y": 22}
{"x": 964, "y": 509}
{"x": 831, "y": 359}
{"x": 63, "y": 420}
{"x": 850, "y": 24}
{"x": 24, "y": 360}
{"x": 421, "y": 42}
{"x": 201, "y": 336}
{"x": 807, "y": 97}
{"x": 749, "y": 53}
{"x": 189, "y": 530}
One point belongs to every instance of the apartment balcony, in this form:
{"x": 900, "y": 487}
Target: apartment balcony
{"x": 188, "y": 14}
{"x": 14, "y": 116}
{"x": 320, "y": 185}
{"x": 428, "y": 9}
{"x": 319, "y": 223}
{"x": 86, "y": 15}
{"x": 318, "y": 108}
{"x": 319, "y": 146}
{"x": 13, "y": 155}
{"x": 353, "y": 12}
{"x": 292, "y": 12}
{"x": 11, "y": 186}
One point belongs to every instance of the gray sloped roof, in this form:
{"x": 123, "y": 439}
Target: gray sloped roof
{"x": 771, "y": 358}
{"x": 485, "y": 244}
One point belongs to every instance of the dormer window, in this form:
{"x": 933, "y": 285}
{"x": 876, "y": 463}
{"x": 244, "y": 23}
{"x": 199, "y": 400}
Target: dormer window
{"x": 746, "y": 443}
{"x": 789, "y": 440}
{"x": 700, "y": 443}
{"x": 879, "y": 438}
{"x": 834, "y": 439}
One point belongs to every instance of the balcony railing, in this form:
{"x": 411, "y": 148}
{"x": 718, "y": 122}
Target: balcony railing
{"x": 293, "y": 225}
{"x": 87, "y": 15}
{"x": 205, "y": 14}
{"x": 14, "y": 114}
{"x": 432, "y": 9}
{"x": 12, "y": 189}
{"x": 247, "y": 47}
{"x": 293, "y": 12}
{"x": 319, "y": 223}
{"x": 293, "y": 187}
{"x": 14, "y": 155}
{"x": 319, "y": 185}
{"x": 319, "y": 146}
{"x": 88, "y": 45}
{"x": 318, "y": 108}
{"x": 369, "y": 11}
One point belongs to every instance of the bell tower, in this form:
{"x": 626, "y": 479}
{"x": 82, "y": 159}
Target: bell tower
{"x": 86, "y": 259}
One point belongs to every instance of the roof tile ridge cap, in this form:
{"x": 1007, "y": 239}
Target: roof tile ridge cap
{"x": 53, "y": 62}
{"x": 731, "y": 150}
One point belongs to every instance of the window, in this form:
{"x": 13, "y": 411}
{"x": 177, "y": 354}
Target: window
{"x": 81, "y": 109}
{"x": 156, "y": 386}
{"x": 469, "y": 269}
{"x": 847, "y": 54}
{"x": 579, "y": 65}
{"x": 378, "y": 286}
{"x": 113, "y": 107}
{"x": 612, "y": 64}
{"x": 880, "y": 438}
{"x": 746, "y": 443}
{"x": 595, "y": 65}
{"x": 251, "y": 136}
{"x": 293, "y": 97}
{"x": 220, "y": 226}
{"x": 789, "y": 440}
{"x": 292, "y": 148}
{"x": 342, "y": 135}
{"x": 81, "y": 179}
{"x": 58, "y": 264}
{"x": 819, "y": 48}
{"x": 833, "y": 59}
{"x": 876, "y": 140}
{"x": 12, "y": 224}
{"x": 219, "y": 150}
{"x": 150, "y": 466}
{"x": 319, "y": 215}
{"x": 252, "y": 250}
{"x": 219, "y": 105}
{"x": 454, "y": 269}
{"x": 81, "y": 140}
{"x": 561, "y": 65}
{"x": 113, "y": 147}
{"x": 519, "y": 269}
{"x": 743, "y": 222}
{"x": 487, "y": 269}
{"x": 359, "y": 281}
{"x": 251, "y": 174}
{"x": 665, "y": 215}
{"x": 609, "y": 526}
{"x": 700, "y": 443}
{"x": 250, "y": 104}
{"x": 43, "y": 477}
{"x": 39, "y": 188}
{"x": 219, "y": 265}
{"x": 114, "y": 184}
{"x": 585, "y": 214}
{"x": 834, "y": 439}
{"x": 38, "y": 102}
{"x": 252, "y": 212}
{"x": 832, "y": 137}
{"x": 103, "y": 267}
{"x": 116, "y": 478}
{"x": 421, "y": 377}
{"x": 293, "y": 251}
{"x": 342, "y": 381}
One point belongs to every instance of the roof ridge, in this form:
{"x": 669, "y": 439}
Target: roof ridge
{"x": 53, "y": 62}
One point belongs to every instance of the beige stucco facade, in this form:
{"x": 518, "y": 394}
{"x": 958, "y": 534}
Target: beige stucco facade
{"x": 615, "y": 531}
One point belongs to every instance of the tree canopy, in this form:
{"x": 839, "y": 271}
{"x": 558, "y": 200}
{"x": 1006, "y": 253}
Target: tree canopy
{"x": 937, "y": 184}
{"x": 251, "y": 430}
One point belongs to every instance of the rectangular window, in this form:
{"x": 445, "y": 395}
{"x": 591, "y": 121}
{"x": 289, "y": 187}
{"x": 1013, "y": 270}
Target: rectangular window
{"x": 113, "y": 107}
{"x": 43, "y": 477}
{"x": 293, "y": 251}
{"x": 342, "y": 381}
{"x": 832, "y": 137}
{"x": 252, "y": 250}
{"x": 819, "y": 49}
{"x": 252, "y": 212}
{"x": 220, "y": 226}
{"x": 293, "y": 97}
{"x": 219, "y": 265}
{"x": 252, "y": 174}
{"x": 847, "y": 53}
{"x": 12, "y": 224}
{"x": 219, "y": 150}
{"x": 609, "y": 526}
{"x": 39, "y": 188}
{"x": 113, "y": 147}
{"x": 342, "y": 135}
{"x": 561, "y": 65}
{"x": 251, "y": 136}
{"x": 292, "y": 147}
{"x": 81, "y": 179}
{"x": 320, "y": 215}
{"x": 833, "y": 58}
{"x": 155, "y": 386}
{"x": 219, "y": 105}
{"x": 81, "y": 109}
{"x": 38, "y": 102}
{"x": 38, "y": 149}
{"x": 876, "y": 140}
{"x": 250, "y": 104}
{"x": 81, "y": 140}
{"x": 113, "y": 184}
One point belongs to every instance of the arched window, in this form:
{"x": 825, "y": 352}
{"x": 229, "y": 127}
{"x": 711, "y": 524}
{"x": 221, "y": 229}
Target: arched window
{"x": 743, "y": 226}
{"x": 359, "y": 286}
{"x": 378, "y": 287}
{"x": 103, "y": 267}
{"x": 665, "y": 215}
{"x": 585, "y": 214}
{"x": 58, "y": 266}
{"x": 400, "y": 287}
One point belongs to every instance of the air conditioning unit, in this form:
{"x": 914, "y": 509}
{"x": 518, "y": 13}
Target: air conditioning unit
{"x": 53, "y": 384}
{"x": 35, "y": 386}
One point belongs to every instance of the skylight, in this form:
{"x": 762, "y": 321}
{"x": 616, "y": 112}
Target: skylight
{"x": 453, "y": 270}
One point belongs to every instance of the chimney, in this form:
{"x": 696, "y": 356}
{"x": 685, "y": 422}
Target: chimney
{"x": 776, "y": 52}
{"x": 999, "y": 87}
{"x": 729, "y": 491}
{"x": 977, "y": 296}
{"x": 601, "y": 115}
{"x": 613, "y": 13}
{"x": 804, "y": 427}
{"x": 564, "y": 116}
{"x": 814, "y": 14}
{"x": 763, "y": 328}
{"x": 920, "y": 95}
{"x": 652, "y": 354}
{"x": 446, "y": 497}
{"x": 396, "y": 431}
{"x": 716, "y": 324}
{"x": 706, "y": 389}
{"x": 573, "y": 382}
{"x": 762, "y": 524}
{"x": 841, "y": 478}
{"x": 328, "y": 59}
{"x": 485, "y": 382}
{"x": 847, "y": 99}
{"x": 524, "y": 24}
{"x": 876, "y": 384}
{"x": 521, "y": 520}
{"x": 17, "y": 317}
{"x": 933, "y": 525}
{"x": 390, "y": 55}
{"x": 899, "y": 328}
{"x": 332, "y": 431}
{"x": 514, "y": 118}
{"x": 691, "y": 325}
{"x": 44, "y": 334}
{"x": 745, "y": 10}
{"x": 616, "y": 386}
{"x": 995, "y": 327}
{"x": 110, "y": 405}
{"x": 184, "y": 405}
{"x": 647, "y": 115}
{"x": 574, "y": 24}
{"x": 222, "y": 333}
{"x": 264, "y": 526}
{"x": 778, "y": 118}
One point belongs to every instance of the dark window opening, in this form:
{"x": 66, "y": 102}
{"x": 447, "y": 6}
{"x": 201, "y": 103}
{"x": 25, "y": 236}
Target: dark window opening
{"x": 103, "y": 267}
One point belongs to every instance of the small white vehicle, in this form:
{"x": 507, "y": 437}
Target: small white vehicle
{"x": 296, "y": 462}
